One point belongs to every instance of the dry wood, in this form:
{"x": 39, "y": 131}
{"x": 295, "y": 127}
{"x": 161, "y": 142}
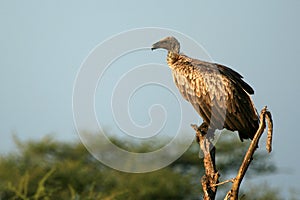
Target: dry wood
{"x": 210, "y": 180}
{"x": 265, "y": 115}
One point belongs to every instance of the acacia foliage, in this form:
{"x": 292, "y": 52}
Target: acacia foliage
{"x": 50, "y": 169}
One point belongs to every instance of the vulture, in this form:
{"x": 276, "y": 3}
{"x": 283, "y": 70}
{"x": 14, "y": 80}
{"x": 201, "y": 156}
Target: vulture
{"x": 219, "y": 94}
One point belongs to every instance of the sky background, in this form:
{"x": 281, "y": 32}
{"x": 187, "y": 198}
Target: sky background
{"x": 43, "y": 44}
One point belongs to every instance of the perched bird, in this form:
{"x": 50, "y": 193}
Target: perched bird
{"x": 218, "y": 93}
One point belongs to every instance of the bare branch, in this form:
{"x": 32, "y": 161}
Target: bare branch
{"x": 211, "y": 176}
{"x": 265, "y": 115}
{"x": 224, "y": 182}
{"x": 210, "y": 180}
{"x": 270, "y": 131}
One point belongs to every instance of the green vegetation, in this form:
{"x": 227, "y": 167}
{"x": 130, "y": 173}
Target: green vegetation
{"x": 49, "y": 169}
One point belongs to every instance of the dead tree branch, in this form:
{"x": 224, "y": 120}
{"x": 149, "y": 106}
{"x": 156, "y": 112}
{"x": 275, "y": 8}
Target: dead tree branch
{"x": 210, "y": 178}
{"x": 265, "y": 115}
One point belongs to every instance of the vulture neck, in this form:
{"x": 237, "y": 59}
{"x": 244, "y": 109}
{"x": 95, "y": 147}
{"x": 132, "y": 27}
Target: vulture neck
{"x": 172, "y": 58}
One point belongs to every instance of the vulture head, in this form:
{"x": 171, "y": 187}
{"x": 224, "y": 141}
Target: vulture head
{"x": 169, "y": 43}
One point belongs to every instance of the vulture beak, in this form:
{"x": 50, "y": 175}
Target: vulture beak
{"x": 155, "y": 46}
{"x": 169, "y": 43}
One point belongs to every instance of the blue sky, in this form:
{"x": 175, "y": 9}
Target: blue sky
{"x": 44, "y": 43}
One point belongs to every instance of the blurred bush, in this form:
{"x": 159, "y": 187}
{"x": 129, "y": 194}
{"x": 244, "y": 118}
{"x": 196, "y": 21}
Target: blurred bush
{"x": 50, "y": 169}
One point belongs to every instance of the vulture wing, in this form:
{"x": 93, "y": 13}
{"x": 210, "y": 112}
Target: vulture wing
{"x": 218, "y": 94}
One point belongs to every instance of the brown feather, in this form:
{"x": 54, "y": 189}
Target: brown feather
{"x": 217, "y": 93}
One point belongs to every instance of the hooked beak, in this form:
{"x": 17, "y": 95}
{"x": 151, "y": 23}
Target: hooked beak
{"x": 155, "y": 46}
